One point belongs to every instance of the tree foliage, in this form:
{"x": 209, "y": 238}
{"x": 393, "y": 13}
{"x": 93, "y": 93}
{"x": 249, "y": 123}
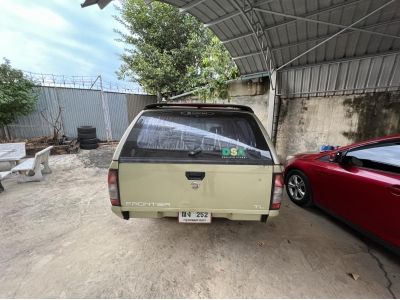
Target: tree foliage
{"x": 217, "y": 68}
{"x": 17, "y": 95}
{"x": 169, "y": 53}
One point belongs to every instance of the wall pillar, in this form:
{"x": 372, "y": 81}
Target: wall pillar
{"x": 106, "y": 112}
{"x": 271, "y": 103}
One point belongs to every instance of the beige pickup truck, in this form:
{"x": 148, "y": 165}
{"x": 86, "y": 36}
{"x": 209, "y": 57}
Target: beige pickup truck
{"x": 196, "y": 162}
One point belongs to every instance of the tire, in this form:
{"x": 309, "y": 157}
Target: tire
{"x": 86, "y": 136}
{"x": 89, "y": 146}
{"x": 298, "y": 188}
{"x": 89, "y": 141}
{"x": 86, "y": 129}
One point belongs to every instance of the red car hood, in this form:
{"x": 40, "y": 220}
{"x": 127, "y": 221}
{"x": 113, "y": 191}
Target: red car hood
{"x": 310, "y": 155}
{"x": 304, "y": 156}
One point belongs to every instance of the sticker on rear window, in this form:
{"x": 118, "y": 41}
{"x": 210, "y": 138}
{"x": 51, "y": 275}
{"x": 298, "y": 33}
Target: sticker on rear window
{"x": 233, "y": 153}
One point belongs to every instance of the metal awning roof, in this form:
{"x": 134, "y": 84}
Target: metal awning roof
{"x": 266, "y": 35}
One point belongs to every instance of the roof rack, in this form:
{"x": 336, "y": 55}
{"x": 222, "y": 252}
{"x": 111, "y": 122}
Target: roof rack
{"x": 199, "y": 106}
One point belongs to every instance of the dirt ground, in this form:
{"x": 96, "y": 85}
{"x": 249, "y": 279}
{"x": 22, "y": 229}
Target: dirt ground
{"x": 59, "y": 239}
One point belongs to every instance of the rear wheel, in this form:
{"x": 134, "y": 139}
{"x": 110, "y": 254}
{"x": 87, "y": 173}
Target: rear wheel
{"x": 298, "y": 188}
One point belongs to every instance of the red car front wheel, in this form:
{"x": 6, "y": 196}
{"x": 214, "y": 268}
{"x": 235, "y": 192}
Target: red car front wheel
{"x": 298, "y": 188}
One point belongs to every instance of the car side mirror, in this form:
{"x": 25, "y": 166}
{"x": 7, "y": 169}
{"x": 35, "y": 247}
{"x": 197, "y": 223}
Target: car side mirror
{"x": 341, "y": 158}
{"x": 338, "y": 157}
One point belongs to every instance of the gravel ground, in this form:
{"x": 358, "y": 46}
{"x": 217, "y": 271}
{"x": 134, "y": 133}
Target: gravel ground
{"x": 100, "y": 158}
{"x": 59, "y": 239}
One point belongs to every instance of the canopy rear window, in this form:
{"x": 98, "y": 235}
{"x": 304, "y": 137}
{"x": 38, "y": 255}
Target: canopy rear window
{"x": 196, "y": 136}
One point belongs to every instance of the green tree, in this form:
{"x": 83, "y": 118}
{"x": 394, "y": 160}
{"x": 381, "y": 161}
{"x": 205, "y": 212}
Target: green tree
{"x": 217, "y": 68}
{"x": 17, "y": 95}
{"x": 168, "y": 52}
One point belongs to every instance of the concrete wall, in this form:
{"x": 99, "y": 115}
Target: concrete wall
{"x": 252, "y": 92}
{"x": 250, "y": 87}
{"x": 259, "y": 104}
{"x": 307, "y": 123}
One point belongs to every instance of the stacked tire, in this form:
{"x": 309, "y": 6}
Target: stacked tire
{"x": 87, "y": 137}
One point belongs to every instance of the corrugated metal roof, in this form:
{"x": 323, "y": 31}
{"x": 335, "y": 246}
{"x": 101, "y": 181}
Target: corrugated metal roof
{"x": 265, "y": 34}
{"x": 273, "y": 26}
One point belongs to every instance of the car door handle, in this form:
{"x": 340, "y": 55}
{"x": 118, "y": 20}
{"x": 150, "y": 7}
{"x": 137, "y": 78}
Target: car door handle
{"x": 195, "y": 175}
{"x": 395, "y": 190}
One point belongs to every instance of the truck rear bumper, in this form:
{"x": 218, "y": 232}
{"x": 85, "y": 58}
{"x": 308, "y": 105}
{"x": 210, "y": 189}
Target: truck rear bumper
{"x": 245, "y": 215}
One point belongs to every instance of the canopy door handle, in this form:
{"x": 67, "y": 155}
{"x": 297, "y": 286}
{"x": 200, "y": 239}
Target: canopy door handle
{"x": 195, "y": 175}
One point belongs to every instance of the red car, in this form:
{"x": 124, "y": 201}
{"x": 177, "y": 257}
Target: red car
{"x": 359, "y": 184}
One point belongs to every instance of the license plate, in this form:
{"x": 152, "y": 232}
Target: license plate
{"x": 194, "y": 217}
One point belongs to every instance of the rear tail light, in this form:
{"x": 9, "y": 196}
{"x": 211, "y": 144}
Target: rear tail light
{"x": 277, "y": 192}
{"x": 113, "y": 187}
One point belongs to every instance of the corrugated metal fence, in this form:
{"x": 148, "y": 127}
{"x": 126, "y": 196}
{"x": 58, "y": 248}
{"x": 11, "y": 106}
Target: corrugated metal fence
{"x": 79, "y": 107}
{"x": 362, "y": 75}
{"x": 136, "y": 103}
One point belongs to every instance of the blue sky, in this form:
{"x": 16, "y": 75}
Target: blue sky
{"x": 60, "y": 37}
